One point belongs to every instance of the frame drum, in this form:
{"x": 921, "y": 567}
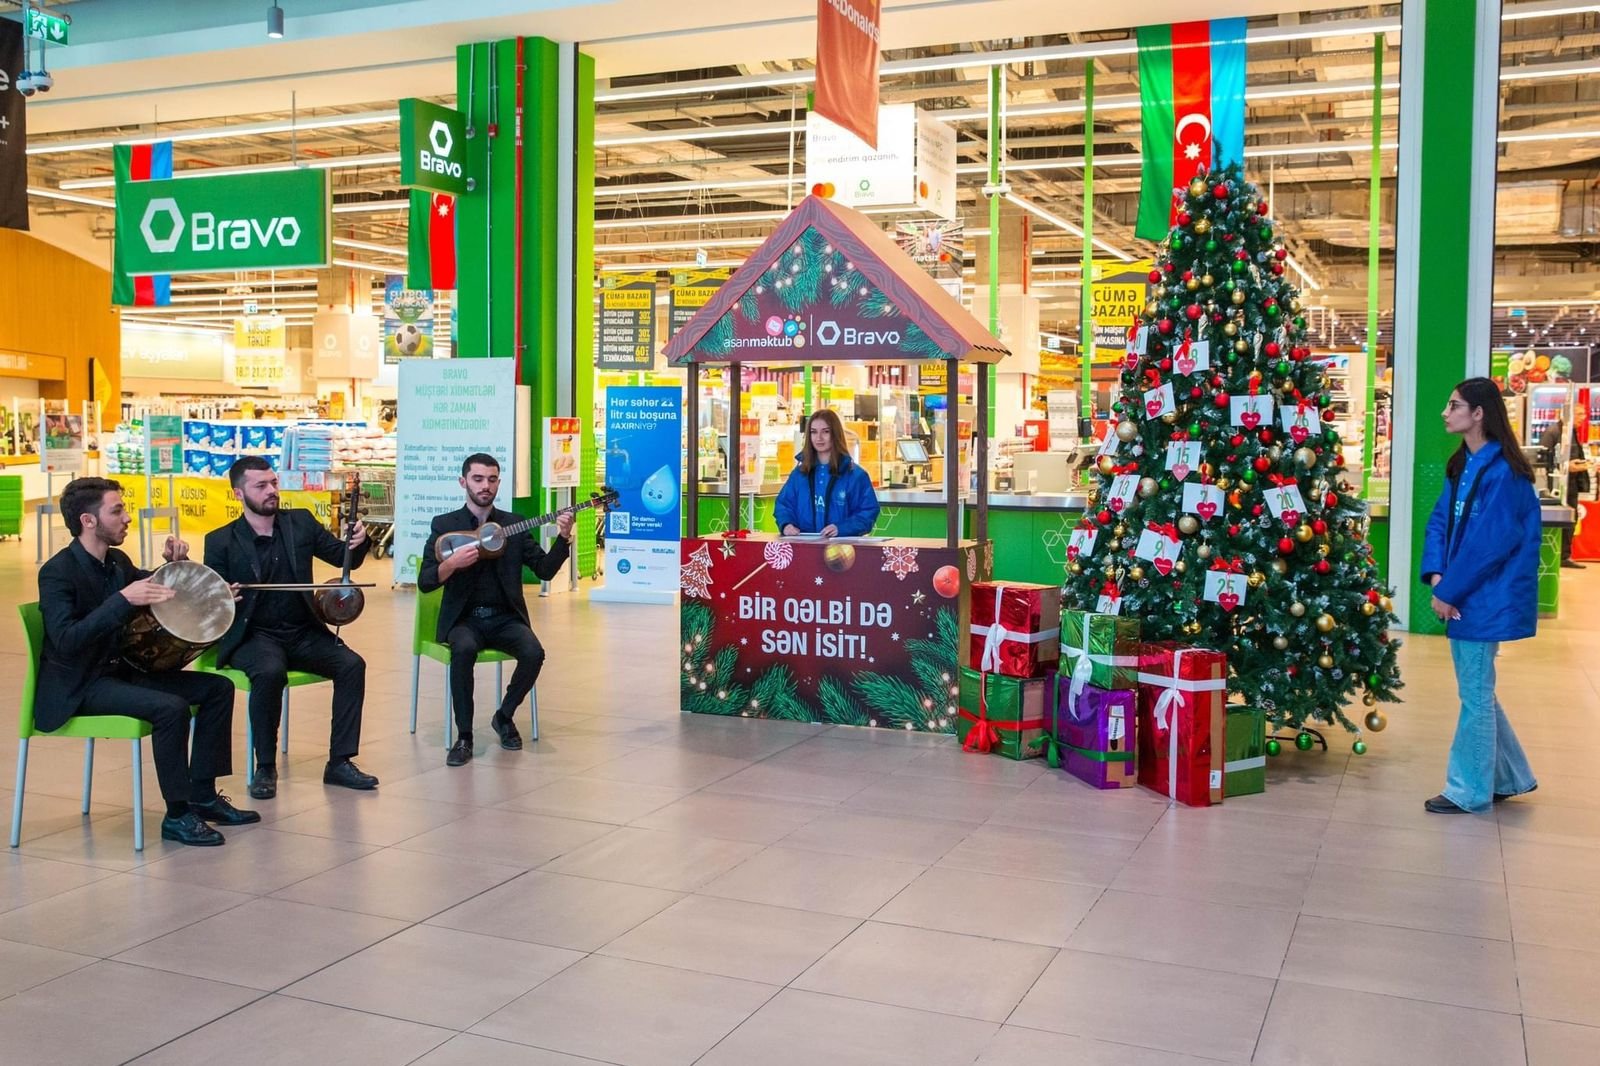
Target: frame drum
{"x": 171, "y": 635}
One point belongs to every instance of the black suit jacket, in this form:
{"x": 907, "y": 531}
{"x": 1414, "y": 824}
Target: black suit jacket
{"x": 522, "y": 550}
{"x": 82, "y": 629}
{"x": 231, "y": 552}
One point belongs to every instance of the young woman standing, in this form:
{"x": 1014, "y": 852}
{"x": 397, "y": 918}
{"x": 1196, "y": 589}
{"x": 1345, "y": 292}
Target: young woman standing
{"x": 827, "y": 492}
{"x": 1482, "y": 561}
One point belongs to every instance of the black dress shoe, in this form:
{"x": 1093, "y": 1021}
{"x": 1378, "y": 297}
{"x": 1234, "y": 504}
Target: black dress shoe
{"x": 1501, "y": 797}
{"x": 220, "y": 812}
{"x": 347, "y": 774}
{"x": 460, "y": 753}
{"x": 1440, "y": 805}
{"x": 506, "y": 730}
{"x": 190, "y": 829}
{"x": 264, "y": 785}
{"x": 1568, "y": 564}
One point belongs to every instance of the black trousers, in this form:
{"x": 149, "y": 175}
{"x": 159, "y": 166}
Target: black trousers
{"x": 502, "y": 631}
{"x": 163, "y": 700}
{"x": 266, "y": 659}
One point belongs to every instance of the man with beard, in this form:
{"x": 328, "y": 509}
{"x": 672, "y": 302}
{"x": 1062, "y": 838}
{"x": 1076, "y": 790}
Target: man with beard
{"x": 276, "y": 631}
{"x": 88, "y": 593}
{"x": 483, "y": 606}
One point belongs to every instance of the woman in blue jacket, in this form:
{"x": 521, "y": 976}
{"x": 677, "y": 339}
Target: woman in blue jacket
{"x": 1482, "y": 562}
{"x": 827, "y": 492}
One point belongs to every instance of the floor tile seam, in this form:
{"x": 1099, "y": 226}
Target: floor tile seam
{"x": 635, "y": 884}
{"x": 1407, "y": 928}
{"x": 178, "y": 929}
{"x": 1126, "y": 957}
{"x": 141, "y": 871}
{"x": 602, "y": 953}
{"x": 512, "y": 1043}
{"x": 259, "y": 996}
{"x": 1313, "y": 985}
{"x": 1121, "y": 1043}
{"x": 800, "y": 846}
{"x": 1320, "y": 863}
{"x": 1248, "y": 907}
{"x": 947, "y": 1014}
{"x": 87, "y": 960}
{"x": 410, "y": 921}
{"x": 105, "y": 871}
{"x": 943, "y": 864}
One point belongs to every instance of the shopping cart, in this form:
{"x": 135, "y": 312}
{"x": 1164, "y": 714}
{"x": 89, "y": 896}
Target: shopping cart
{"x": 377, "y": 503}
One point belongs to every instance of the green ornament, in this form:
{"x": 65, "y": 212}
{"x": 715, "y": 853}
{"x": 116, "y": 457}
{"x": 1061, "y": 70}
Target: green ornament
{"x": 1266, "y": 233}
{"x": 1238, "y": 266}
{"x": 1272, "y": 312}
{"x": 1299, "y": 323}
{"x": 1117, "y": 407}
{"x": 1233, "y": 356}
{"x": 1374, "y": 681}
{"x": 1303, "y": 741}
{"x": 1333, "y": 436}
{"x": 1283, "y": 367}
{"x": 1177, "y": 240}
{"x": 1166, "y": 482}
{"x": 1211, "y": 245}
{"x": 1194, "y": 429}
{"x": 1248, "y": 475}
{"x": 1273, "y": 747}
{"x": 1359, "y": 747}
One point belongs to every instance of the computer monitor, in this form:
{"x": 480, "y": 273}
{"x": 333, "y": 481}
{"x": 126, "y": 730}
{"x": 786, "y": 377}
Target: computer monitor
{"x": 912, "y": 451}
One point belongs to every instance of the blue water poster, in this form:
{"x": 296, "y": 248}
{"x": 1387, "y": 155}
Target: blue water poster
{"x": 644, "y": 463}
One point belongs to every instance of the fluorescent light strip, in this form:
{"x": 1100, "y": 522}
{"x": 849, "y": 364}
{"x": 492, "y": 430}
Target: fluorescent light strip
{"x": 702, "y": 133}
{"x": 1545, "y": 10}
{"x": 220, "y": 308}
{"x": 645, "y": 268}
{"x": 223, "y": 133}
{"x": 51, "y": 194}
{"x": 344, "y": 162}
{"x": 1561, "y": 135}
{"x": 363, "y": 246}
{"x": 645, "y": 246}
{"x": 371, "y": 206}
{"x": 732, "y": 218}
{"x": 1550, "y": 70}
{"x": 263, "y": 284}
{"x": 357, "y": 264}
{"x": 1062, "y": 223}
{"x": 777, "y": 181}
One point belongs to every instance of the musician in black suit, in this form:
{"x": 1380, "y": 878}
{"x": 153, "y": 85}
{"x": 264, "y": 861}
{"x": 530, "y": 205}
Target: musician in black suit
{"x": 88, "y": 593}
{"x": 277, "y": 631}
{"x": 483, "y": 606}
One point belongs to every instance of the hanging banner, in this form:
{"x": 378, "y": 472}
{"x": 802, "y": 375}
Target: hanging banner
{"x": 627, "y": 323}
{"x": 267, "y": 221}
{"x": 847, "y": 65}
{"x": 644, "y": 456}
{"x": 407, "y": 321}
{"x": 1117, "y": 295}
{"x": 170, "y": 354}
{"x": 448, "y": 409}
{"x": 935, "y": 246}
{"x": 259, "y": 349}
{"x": 433, "y": 147}
{"x": 561, "y": 452}
{"x": 13, "y": 130}
{"x": 912, "y": 165}
{"x": 163, "y": 444}
{"x": 691, "y": 291}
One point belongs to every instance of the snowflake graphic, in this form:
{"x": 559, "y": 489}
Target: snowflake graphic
{"x": 900, "y": 562}
{"x": 727, "y": 549}
{"x": 744, "y": 642}
{"x": 894, "y": 637}
{"x": 818, "y": 580}
{"x": 918, "y": 596}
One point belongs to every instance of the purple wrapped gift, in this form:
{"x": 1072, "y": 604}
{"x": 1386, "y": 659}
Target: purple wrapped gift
{"x": 1097, "y": 734}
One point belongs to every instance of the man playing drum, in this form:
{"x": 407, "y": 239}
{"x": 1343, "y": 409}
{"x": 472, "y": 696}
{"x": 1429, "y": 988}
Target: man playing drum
{"x": 88, "y": 593}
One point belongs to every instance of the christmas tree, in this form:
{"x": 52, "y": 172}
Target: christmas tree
{"x": 1221, "y": 516}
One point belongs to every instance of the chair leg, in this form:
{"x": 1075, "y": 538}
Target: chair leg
{"x": 500, "y": 682}
{"x": 138, "y": 794}
{"x": 88, "y": 772}
{"x": 449, "y": 717}
{"x": 533, "y": 711}
{"x": 416, "y": 679}
{"x": 16, "y": 799}
{"x": 283, "y": 724}
{"x": 249, "y": 749}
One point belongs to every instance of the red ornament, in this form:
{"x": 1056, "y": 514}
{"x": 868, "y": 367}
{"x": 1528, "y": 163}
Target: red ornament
{"x": 1165, "y": 327}
{"x": 1194, "y": 312}
{"x": 1255, "y": 512}
{"x": 1262, "y": 464}
{"x": 1236, "y": 440}
{"x": 1266, "y": 436}
{"x": 1194, "y": 393}
{"x": 1271, "y": 349}
{"x": 1293, "y": 671}
{"x": 1216, "y": 316}
{"x": 1241, "y": 255}
{"x": 1322, "y": 566}
{"x": 1183, "y": 218}
{"x": 1282, "y": 254}
{"x": 947, "y": 582}
{"x": 1277, "y": 270}
{"x": 1220, "y": 399}
{"x": 1216, "y": 381}
{"x": 1104, "y": 518}
{"x": 1155, "y": 277}
{"x": 1261, "y": 208}
{"x": 1233, "y": 531}
{"x": 1220, "y": 190}
{"x": 1166, "y": 364}
{"x": 1268, "y": 304}
{"x": 1331, "y": 500}
{"x": 1373, "y": 596}
{"x": 1285, "y": 546}
{"x": 1319, "y": 527}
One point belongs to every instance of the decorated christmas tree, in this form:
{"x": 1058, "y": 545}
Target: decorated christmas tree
{"x": 1222, "y": 515}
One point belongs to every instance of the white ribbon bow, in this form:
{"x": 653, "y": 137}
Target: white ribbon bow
{"x": 1167, "y": 703}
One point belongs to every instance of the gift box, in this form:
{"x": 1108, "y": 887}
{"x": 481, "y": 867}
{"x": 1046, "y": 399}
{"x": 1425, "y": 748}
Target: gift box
{"x": 1182, "y": 702}
{"x": 1095, "y": 734}
{"x": 1100, "y": 650}
{"x": 1016, "y": 628}
{"x": 1006, "y": 715}
{"x": 1244, "y": 745}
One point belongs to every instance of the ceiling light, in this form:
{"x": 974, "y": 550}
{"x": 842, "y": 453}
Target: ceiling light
{"x": 1062, "y": 223}
{"x": 343, "y": 162}
{"x": 645, "y": 246}
{"x": 646, "y": 268}
{"x": 1550, "y": 70}
{"x": 275, "y": 21}
{"x": 1549, "y": 9}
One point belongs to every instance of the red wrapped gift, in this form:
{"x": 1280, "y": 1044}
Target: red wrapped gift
{"x": 1016, "y": 628}
{"x": 1182, "y": 719}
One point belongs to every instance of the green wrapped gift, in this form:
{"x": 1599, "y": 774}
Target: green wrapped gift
{"x": 1244, "y": 771}
{"x": 1005, "y": 715}
{"x": 1100, "y": 650}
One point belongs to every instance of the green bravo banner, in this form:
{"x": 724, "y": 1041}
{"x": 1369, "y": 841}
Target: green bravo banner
{"x": 433, "y": 147}
{"x": 227, "y": 222}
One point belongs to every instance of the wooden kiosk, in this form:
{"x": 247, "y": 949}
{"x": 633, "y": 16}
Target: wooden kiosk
{"x": 849, "y": 631}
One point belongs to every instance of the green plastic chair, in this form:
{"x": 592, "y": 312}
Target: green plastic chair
{"x": 422, "y": 644}
{"x": 207, "y": 664}
{"x": 87, "y": 727}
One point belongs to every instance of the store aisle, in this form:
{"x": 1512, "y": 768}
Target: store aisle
{"x": 643, "y": 887}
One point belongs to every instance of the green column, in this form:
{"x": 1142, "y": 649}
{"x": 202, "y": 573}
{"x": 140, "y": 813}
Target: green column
{"x": 1444, "y": 256}
{"x": 1086, "y": 275}
{"x": 1374, "y": 220}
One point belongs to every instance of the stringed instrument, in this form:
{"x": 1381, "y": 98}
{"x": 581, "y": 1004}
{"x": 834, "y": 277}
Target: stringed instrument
{"x": 340, "y": 601}
{"x": 492, "y": 537}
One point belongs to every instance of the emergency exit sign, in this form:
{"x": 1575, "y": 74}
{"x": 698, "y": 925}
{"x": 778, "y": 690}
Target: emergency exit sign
{"x": 46, "y": 27}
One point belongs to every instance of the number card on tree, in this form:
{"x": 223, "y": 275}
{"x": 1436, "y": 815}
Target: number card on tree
{"x": 1251, "y": 411}
{"x": 1159, "y": 543}
{"x": 1192, "y": 357}
{"x": 1301, "y": 421}
{"x": 1139, "y": 341}
{"x": 1203, "y": 500}
{"x": 1158, "y": 401}
{"x": 1109, "y": 445}
{"x": 1183, "y": 457}
{"x": 1081, "y": 543}
{"x": 1226, "y": 584}
{"x": 1122, "y": 490}
{"x": 1284, "y": 499}
{"x": 1110, "y": 601}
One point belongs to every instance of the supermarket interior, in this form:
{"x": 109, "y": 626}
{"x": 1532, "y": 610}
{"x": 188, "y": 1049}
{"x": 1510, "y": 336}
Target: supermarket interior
{"x": 973, "y": 468}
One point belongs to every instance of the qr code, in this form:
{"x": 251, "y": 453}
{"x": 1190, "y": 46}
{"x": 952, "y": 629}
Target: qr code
{"x": 619, "y": 522}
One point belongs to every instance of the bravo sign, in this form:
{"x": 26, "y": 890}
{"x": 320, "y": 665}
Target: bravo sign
{"x": 433, "y": 147}
{"x": 227, "y": 222}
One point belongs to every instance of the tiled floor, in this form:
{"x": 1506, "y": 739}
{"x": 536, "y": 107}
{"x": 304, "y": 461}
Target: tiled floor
{"x": 643, "y": 887}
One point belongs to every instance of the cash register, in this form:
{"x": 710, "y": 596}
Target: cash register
{"x": 914, "y": 454}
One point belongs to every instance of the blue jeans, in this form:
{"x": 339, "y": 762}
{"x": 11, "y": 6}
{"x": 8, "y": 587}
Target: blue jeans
{"x": 1485, "y": 757}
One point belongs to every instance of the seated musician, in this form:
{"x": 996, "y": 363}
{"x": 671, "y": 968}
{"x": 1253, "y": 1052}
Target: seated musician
{"x": 483, "y": 606}
{"x": 88, "y": 592}
{"x": 276, "y": 631}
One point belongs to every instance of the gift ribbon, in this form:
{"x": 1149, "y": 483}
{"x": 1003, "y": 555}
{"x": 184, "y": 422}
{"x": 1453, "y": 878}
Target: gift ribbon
{"x": 1083, "y": 669}
{"x": 1240, "y": 765}
{"x": 1167, "y": 703}
{"x": 985, "y": 731}
{"x": 997, "y": 634}
{"x": 1052, "y": 749}
{"x": 1101, "y": 756}
{"x": 1229, "y": 566}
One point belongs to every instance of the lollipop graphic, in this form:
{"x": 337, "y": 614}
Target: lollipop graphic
{"x": 778, "y": 554}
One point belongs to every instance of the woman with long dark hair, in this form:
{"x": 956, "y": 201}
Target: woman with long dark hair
{"x": 827, "y": 491}
{"x": 1482, "y": 561}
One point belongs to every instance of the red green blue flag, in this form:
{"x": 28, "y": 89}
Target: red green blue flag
{"x": 140, "y": 162}
{"x": 1191, "y": 95}
{"x": 431, "y": 241}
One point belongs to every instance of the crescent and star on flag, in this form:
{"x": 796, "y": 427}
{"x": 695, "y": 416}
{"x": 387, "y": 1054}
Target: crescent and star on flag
{"x": 1194, "y": 148}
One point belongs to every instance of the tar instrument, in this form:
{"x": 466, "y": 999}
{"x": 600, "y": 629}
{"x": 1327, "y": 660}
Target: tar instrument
{"x": 340, "y": 601}
{"x": 170, "y": 635}
{"x": 492, "y": 537}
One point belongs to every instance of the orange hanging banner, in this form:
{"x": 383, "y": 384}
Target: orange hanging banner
{"x": 847, "y": 65}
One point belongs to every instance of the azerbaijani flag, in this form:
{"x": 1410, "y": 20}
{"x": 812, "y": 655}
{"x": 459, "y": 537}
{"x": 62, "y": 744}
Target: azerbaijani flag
{"x": 140, "y": 162}
{"x": 431, "y": 241}
{"x": 1191, "y": 96}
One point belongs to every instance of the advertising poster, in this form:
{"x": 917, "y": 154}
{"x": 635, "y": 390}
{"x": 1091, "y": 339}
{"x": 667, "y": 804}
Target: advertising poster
{"x": 259, "y": 348}
{"x": 750, "y": 455}
{"x": 561, "y": 451}
{"x": 644, "y": 457}
{"x": 1116, "y": 299}
{"x": 61, "y": 443}
{"x": 627, "y": 323}
{"x": 690, "y": 292}
{"x": 163, "y": 441}
{"x": 448, "y": 409}
{"x": 407, "y": 321}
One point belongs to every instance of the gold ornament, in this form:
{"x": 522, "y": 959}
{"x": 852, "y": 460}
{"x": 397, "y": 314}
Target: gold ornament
{"x": 1105, "y": 464}
{"x": 1136, "y": 573}
{"x": 1325, "y": 623}
{"x": 1193, "y": 285}
{"x": 1297, "y": 609}
{"x": 1386, "y": 603}
{"x": 1303, "y": 534}
{"x": 1295, "y": 306}
{"x": 1223, "y": 483}
{"x": 1238, "y": 297}
{"x": 1325, "y": 661}
{"x": 1275, "y": 453}
{"x": 1170, "y": 418}
{"x": 1181, "y": 567}
{"x": 1159, "y": 292}
{"x": 1376, "y": 721}
{"x": 1280, "y": 566}
{"x": 1192, "y": 628}
{"x": 1202, "y": 226}
{"x": 1256, "y": 579}
{"x": 1150, "y": 310}
{"x": 1322, "y": 549}
{"x": 1148, "y": 487}
{"x": 1120, "y": 530}
{"x": 1189, "y": 524}
{"x": 1204, "y": 551}
{"x": 1241, "y": 346}
{"x": 1075, "y": 566}
{"x": 1127, "y": 431}
{"x": 1369, "y": 609}
{"x": 1197, "y": 187}
{"x": 1207, "y": 280}
{"x": 1287, "y": 387}
{"x": 1231, "y": 329}
{"x": 1305, "y": 457}
{"x": 1280, "y": 643}
{"x": 1113, "y": 544}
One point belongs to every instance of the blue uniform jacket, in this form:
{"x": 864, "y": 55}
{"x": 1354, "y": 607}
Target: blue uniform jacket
{"x": 1489, "y": 556}
{"x": 810, "y": 501}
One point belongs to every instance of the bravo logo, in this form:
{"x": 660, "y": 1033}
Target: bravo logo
{"x": 208, "y": 233}
{"x": 438, "y": 161}
{"x": 831, "y": 334}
